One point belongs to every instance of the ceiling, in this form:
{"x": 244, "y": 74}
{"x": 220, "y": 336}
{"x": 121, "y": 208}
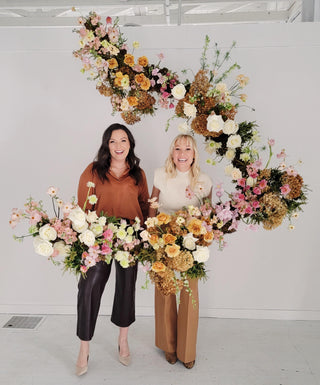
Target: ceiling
{"x": 152, "y": 12}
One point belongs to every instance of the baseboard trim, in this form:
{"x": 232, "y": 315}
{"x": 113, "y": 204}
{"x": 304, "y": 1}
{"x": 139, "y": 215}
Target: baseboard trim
{"x": 275, "y": 314}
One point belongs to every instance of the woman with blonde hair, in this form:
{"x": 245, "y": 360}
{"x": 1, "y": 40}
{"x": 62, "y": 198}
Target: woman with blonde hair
{"x": 176, "y": 329}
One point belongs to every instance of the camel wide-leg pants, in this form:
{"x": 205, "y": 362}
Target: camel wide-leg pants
{"x": 90, "y": 292}
{"x": 176, "y": 330}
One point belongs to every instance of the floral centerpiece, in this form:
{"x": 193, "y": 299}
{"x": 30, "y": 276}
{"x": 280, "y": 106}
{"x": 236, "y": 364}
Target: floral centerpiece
{"x": 80, "y": 238}
{"x": 133, "y": 84}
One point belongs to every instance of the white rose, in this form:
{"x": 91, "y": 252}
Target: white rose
{"x": 230, "y": 127}
{"x": 251, "y": 181}
{"x": 178, "y": 91}
{"x": 123, "y": 258}
{"x": 190, "y": 110}
{"x": 228, "y": 169}
{"x": 128, "y": 239}
{"x": 234, "y": 141}
{"x": 87, "y": 237}
{"x": 184, "y": 128}
{"x": 47, "y": 233}
{"x": 125, "y": 105}
{"x": 189, "y": 242}
{"x": 145, "y": 235}
{"x": 112, "y": 227}
{"x": 222, "y": 87}
{"x": 215, "y": 123}
{"x": 77, "y": 216}
{"x": 62, "y": 248}
{"x": 97, "y": 229}
{"x": 42, "y": 247}
{"x": 230, "y": 154}
{"x": 201, "y": 254}
{"x": 92, "y": 216}
{"x": 80, "y": 227}
{"x": 236, "y": 174}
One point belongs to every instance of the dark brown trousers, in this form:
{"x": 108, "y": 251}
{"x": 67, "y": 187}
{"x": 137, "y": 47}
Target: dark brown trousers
{"x": 90, "y": 292}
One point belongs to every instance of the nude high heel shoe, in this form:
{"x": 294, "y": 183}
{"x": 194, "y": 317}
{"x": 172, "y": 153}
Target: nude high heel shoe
{"x": 81, "y": 370}
{"x": 126, "y": 361}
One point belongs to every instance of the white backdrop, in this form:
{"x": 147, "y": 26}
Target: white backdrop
{"x": 52, "y": 123}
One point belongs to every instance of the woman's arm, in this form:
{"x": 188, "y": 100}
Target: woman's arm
{"x": 155, "y": 194}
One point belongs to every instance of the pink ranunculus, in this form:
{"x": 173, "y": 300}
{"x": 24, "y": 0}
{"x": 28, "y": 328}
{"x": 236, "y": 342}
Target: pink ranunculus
{"x": 255, "y": 204}
{"x": 257, "y": 190}
{"x": 105, "y": 249}
{"x": 248, "y": 210}
{"x": 108, "y": 234}
{"x": 241, "y": 197}
{"x": 242, "y": 182}
{"x": 285, "y": 189}
{"x": 137, "y": 68}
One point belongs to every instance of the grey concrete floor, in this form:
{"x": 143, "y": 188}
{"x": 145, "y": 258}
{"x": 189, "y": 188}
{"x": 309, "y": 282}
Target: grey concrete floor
{"x": 229, "y": 352}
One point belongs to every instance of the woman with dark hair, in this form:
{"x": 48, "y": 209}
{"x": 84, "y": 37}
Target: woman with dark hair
{"x": 122, "y": 191}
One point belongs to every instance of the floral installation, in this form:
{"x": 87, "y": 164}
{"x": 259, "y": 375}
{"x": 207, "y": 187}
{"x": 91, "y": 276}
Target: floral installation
{"x": 134, "y": 85}
{"x": 79, "y": 238}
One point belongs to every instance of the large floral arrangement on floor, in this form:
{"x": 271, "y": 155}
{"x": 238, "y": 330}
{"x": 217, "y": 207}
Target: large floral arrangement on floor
{"x": 176, "y": 246}
{"x": 133, "y": 84}
{"x": 75, "y": 238}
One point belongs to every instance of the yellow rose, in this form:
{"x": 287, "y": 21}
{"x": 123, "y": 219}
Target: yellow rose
{"x": 129, "y": 59}
{"x": 143, "y": 61}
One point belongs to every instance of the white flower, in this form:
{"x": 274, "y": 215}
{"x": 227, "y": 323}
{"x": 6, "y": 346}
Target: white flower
{"x": 245, "y": 156}
{"x": 291, "y": 227}
{"x": 151, "y": 221}
{"x": 123, "y": 258}
{"x": 228, "y": 169}
{"x": 251, "y": 181}
{"x": 189, "y": 242}
{"x": 222, "y": 87}
{"x": 79, "y": 227}
{"x": 178, "y": 91}
{"x": 193, "y": 211}
{"x": 92, "y": 216}
{"x": 42, "y": 247}
{"x": 180, "y": 220}
{"x": 145, "y": 235}
{"x": 112, "y": 227}
{"x": 128, "y": 239}
{"x": 47, "y": 233}
{"x": 97, "y": 229}
{"x": 282, "y": 166}
{"x": 236, "y": 174}
{"x": 59, "y": 203}
{"x": 230, "y": 154}
{"x": 102, "y": 221}
{"x": 62, "y": 248}
{"x": 87, "y": 237}
{"x": 201, "y": 254}
{"x": 184, "y": 128}
{"x": 90, "y": 184}
{"x": 234, "y": 141}
{"x": 93, "y": 199}
{"x": 230, "y": 127}
{"x": 215, "y": 123}
{"x": 125, "y": 106}
{"x": 190, "y": 110}
{"x": 52, "y": 191}
{"x": 295, "y": 215}
{"x": 121, "y": 233}
{"x": 77, "y": 216}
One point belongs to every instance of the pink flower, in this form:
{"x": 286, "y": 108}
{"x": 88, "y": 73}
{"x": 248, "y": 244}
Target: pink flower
{"x": 285, "y": 189}
{"x": 171, "y": 105}
{"x": 108, "y": 234}
{"x": 282, "y": 154}
{"x": 255, "y": 204}
{"x": 257, "y": 190}
{"x": 152, "y": 82}
{"x": 263, "y": 184}
{"x": 137, "y": 68}
{"x": 113, "y": 34}
{"x": 291, "y": 171}
{"x": 248, "y": 210}
{"x": 271, "y": 142}
{"x": 165, "y": 94}
{"x": 160, "y": 56}
{"x": 52, "y": 191}
{"x": 105, "y": 249}
{"x": 125, "y": 47}
{"x": 83, "y": 269}
{"x": 145, "y": 268}
{"x": 253, "y": 227}
{"x": 242, "y": 182}
{"x": 108, "y": 20}
{"x": 155, "y": 71}
{"x": 35, "y": 217}
{"x": 83, "y": 32}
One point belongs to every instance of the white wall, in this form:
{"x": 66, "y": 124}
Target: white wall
{"x": 52, "y": 120}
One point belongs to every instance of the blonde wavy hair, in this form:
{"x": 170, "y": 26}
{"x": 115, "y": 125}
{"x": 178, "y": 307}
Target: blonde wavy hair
{"x": 170, "y": 167}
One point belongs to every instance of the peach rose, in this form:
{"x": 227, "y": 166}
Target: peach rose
{"x": 139, "y": 78}
{"x": 153, "y": 239}
{"x": 163, "y": 218}
{"x": 133, "y": 101}
{"x": 158, "y": 267}
{"x": 145, "y": 85}
{"x": 143, "y": 61}
{"x": 169, "y": 238}
{"x": 172, "y": 250}
{"x": 195, "y": 227}
{"x": 208, "y": 237}
{"x": 129, "y": 59}
{"x": 112, "y": 63}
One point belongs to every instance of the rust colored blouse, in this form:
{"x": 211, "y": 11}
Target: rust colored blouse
{"x": 119, "y": 197}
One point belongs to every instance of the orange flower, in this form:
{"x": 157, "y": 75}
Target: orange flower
{"x": 158, "y": 267}
{"x": 129, "y": 59}
{"x": 163, "y": 218}
{"x": 153, "y": 239}
{"x": 117, "y": 82}
{"x": 139, "y": 78}
{"x": 119, "y": 74}
{"x": 208, "y": 237}
{"x": 169, "y": 238}
{"x": 145, "y": 85}
{"x": 133, "y": 101}
{"x": 112, "y": 63}
{"x": 143, "y": 61}
{"x": 195, "y": 226}
{"x": 172, "y": 250}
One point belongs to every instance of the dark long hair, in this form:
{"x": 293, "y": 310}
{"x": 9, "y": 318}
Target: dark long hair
{"x": 102, "y": 161}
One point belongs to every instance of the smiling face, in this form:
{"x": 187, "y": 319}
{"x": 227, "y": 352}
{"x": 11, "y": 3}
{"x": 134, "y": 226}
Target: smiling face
{"x": 119, "y": 145}
{"x": 183, "y": 155}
